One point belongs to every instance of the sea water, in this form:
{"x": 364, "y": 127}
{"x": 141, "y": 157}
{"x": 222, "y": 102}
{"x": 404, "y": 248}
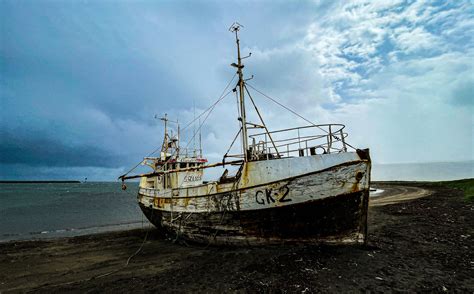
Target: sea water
{"x": 432, "y": 171}
{"x": 31, "y": 211}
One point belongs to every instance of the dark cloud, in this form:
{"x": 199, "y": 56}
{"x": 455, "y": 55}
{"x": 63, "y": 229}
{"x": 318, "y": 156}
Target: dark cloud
{"x": 82, "y": 81}
{"x": 36, "y": 149}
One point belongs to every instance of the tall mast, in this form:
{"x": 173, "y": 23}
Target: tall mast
{"x": 200, "y": 142}
{"x": 164, "y": 148}
{"x": 177, "y": 146}
{"x": 235, "y": 28}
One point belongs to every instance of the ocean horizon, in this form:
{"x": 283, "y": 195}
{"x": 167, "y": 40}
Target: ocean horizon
{"x": 50, "y": 210}
{"x": 427, "y": 171}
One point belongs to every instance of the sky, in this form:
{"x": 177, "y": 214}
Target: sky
{"x": 82, "y": 81}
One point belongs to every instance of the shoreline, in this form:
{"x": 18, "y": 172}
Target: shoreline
{"x": 69, "y": 232}
{"x": 391, "y": 194}
{"x": 422, "y": 244}
{"x": 48, "y": 235}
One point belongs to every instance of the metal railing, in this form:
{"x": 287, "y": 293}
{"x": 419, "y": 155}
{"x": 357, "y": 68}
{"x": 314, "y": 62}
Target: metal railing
{"x": 299, "y": 141}
{"x": 190, "y": 152}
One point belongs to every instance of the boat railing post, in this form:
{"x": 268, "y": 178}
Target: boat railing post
{"x": 343, "y": 141}
{"x": 266, "y": 146}
{"x": 254, "y": 147}
{"x": 299, "y": 139}
{"x": 329, "y": 140}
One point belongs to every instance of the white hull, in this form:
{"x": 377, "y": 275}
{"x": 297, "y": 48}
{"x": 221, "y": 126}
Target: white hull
{"x": 283, "y": 185}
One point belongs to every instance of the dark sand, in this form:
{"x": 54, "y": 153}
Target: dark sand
{"x": 423, "y": 244}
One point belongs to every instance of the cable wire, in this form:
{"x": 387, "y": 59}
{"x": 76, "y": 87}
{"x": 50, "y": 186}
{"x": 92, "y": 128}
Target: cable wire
{"x": 222, "y": 96}
{"x": 295, "y": 113}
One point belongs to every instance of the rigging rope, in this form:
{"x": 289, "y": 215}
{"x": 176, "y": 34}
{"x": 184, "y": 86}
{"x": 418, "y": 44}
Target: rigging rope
{"x": 295, "y": 113}
{"x": 233, "y": 141}
{"x": 287, "y": 108}
{"x": 199, "y": 128}
{"x": 214, "y": 104}
{"x": 222, "y": 96}
{"x": 202, "y": 123}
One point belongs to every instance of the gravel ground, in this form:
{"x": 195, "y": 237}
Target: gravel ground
{"x": 422, "y": 245}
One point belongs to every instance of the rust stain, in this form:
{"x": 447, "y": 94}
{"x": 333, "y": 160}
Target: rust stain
{"x": 358, "y": 176}
{"x": 186, "y": 201}
{"x": 355, "y": 187}
{"x": 277, "y": 225}
{"x": 245, "y": 175}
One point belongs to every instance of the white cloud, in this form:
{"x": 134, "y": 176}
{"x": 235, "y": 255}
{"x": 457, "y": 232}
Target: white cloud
{"x": 410, "y": 40}
{"x": 392, "y": 76}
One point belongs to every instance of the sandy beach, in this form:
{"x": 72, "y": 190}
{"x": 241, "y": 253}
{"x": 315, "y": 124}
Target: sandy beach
{"x": 421, "y": 238}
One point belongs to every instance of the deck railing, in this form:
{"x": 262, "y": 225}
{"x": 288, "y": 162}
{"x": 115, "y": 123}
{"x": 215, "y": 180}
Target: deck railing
{"x": 190, "y": 152}
{"x": 299, "y": 141}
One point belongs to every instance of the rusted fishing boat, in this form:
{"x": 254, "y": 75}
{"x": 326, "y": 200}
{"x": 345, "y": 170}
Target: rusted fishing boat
{"x": 293, "y": 185}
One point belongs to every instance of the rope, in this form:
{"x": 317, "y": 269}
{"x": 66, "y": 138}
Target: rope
{"x": 285, "y": 107}
{"x": 102, "y": 275}
{"x": 233, "y": 141}
{"x": 295, "y": 113}
{"x": 199, "y": 128}
{"x": 209, "y": 113}
{"x": 209, "y": 108}
{"x": 218, "y": 100}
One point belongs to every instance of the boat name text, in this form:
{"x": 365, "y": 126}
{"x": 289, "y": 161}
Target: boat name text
{"x": 272, "y": 196}
{"x": 192, "y": 178}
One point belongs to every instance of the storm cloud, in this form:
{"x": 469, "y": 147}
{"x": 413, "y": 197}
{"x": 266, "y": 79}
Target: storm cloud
{"x": 81, "y": 82}
{"x": 40, "y": 150}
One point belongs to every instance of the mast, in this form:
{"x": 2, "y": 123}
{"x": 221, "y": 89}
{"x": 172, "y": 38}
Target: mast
{"x": 200, "y": 141}
{"x": 177, "y": 146}
{"x": 235, "y": 29}
{"x": 164, "y": 147}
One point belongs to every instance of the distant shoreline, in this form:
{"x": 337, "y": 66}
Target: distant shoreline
{"x": 39, "y": 182}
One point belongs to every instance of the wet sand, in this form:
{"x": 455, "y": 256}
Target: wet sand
{"x": 420, "y": 239}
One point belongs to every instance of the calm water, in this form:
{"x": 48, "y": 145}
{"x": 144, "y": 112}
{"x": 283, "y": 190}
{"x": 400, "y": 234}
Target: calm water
{"x": 436, "y": 171}
{"x": 29, "y": 211}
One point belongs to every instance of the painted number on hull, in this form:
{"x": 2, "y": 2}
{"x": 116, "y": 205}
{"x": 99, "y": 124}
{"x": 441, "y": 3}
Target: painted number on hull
{"x": 271, "y": 196}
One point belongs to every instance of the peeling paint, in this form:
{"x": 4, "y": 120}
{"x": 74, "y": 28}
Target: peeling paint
{"x": 271, "y": 212}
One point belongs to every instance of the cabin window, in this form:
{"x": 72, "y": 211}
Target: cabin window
{"x": 182, "y": 165}
{"x": 191, "y": 164}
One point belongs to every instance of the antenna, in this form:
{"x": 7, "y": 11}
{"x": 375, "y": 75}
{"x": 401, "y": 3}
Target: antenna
{"x": 167, "y": 138}
{"x": 200, "y": 142}
{"x": 235, "y": 27}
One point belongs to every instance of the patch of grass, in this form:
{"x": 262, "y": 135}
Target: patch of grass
{"x": 467, "y": 185}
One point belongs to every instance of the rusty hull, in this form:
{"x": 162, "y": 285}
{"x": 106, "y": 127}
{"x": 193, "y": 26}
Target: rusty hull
{"x": 326, "y": 206}
{"x": 337, "y": 219}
